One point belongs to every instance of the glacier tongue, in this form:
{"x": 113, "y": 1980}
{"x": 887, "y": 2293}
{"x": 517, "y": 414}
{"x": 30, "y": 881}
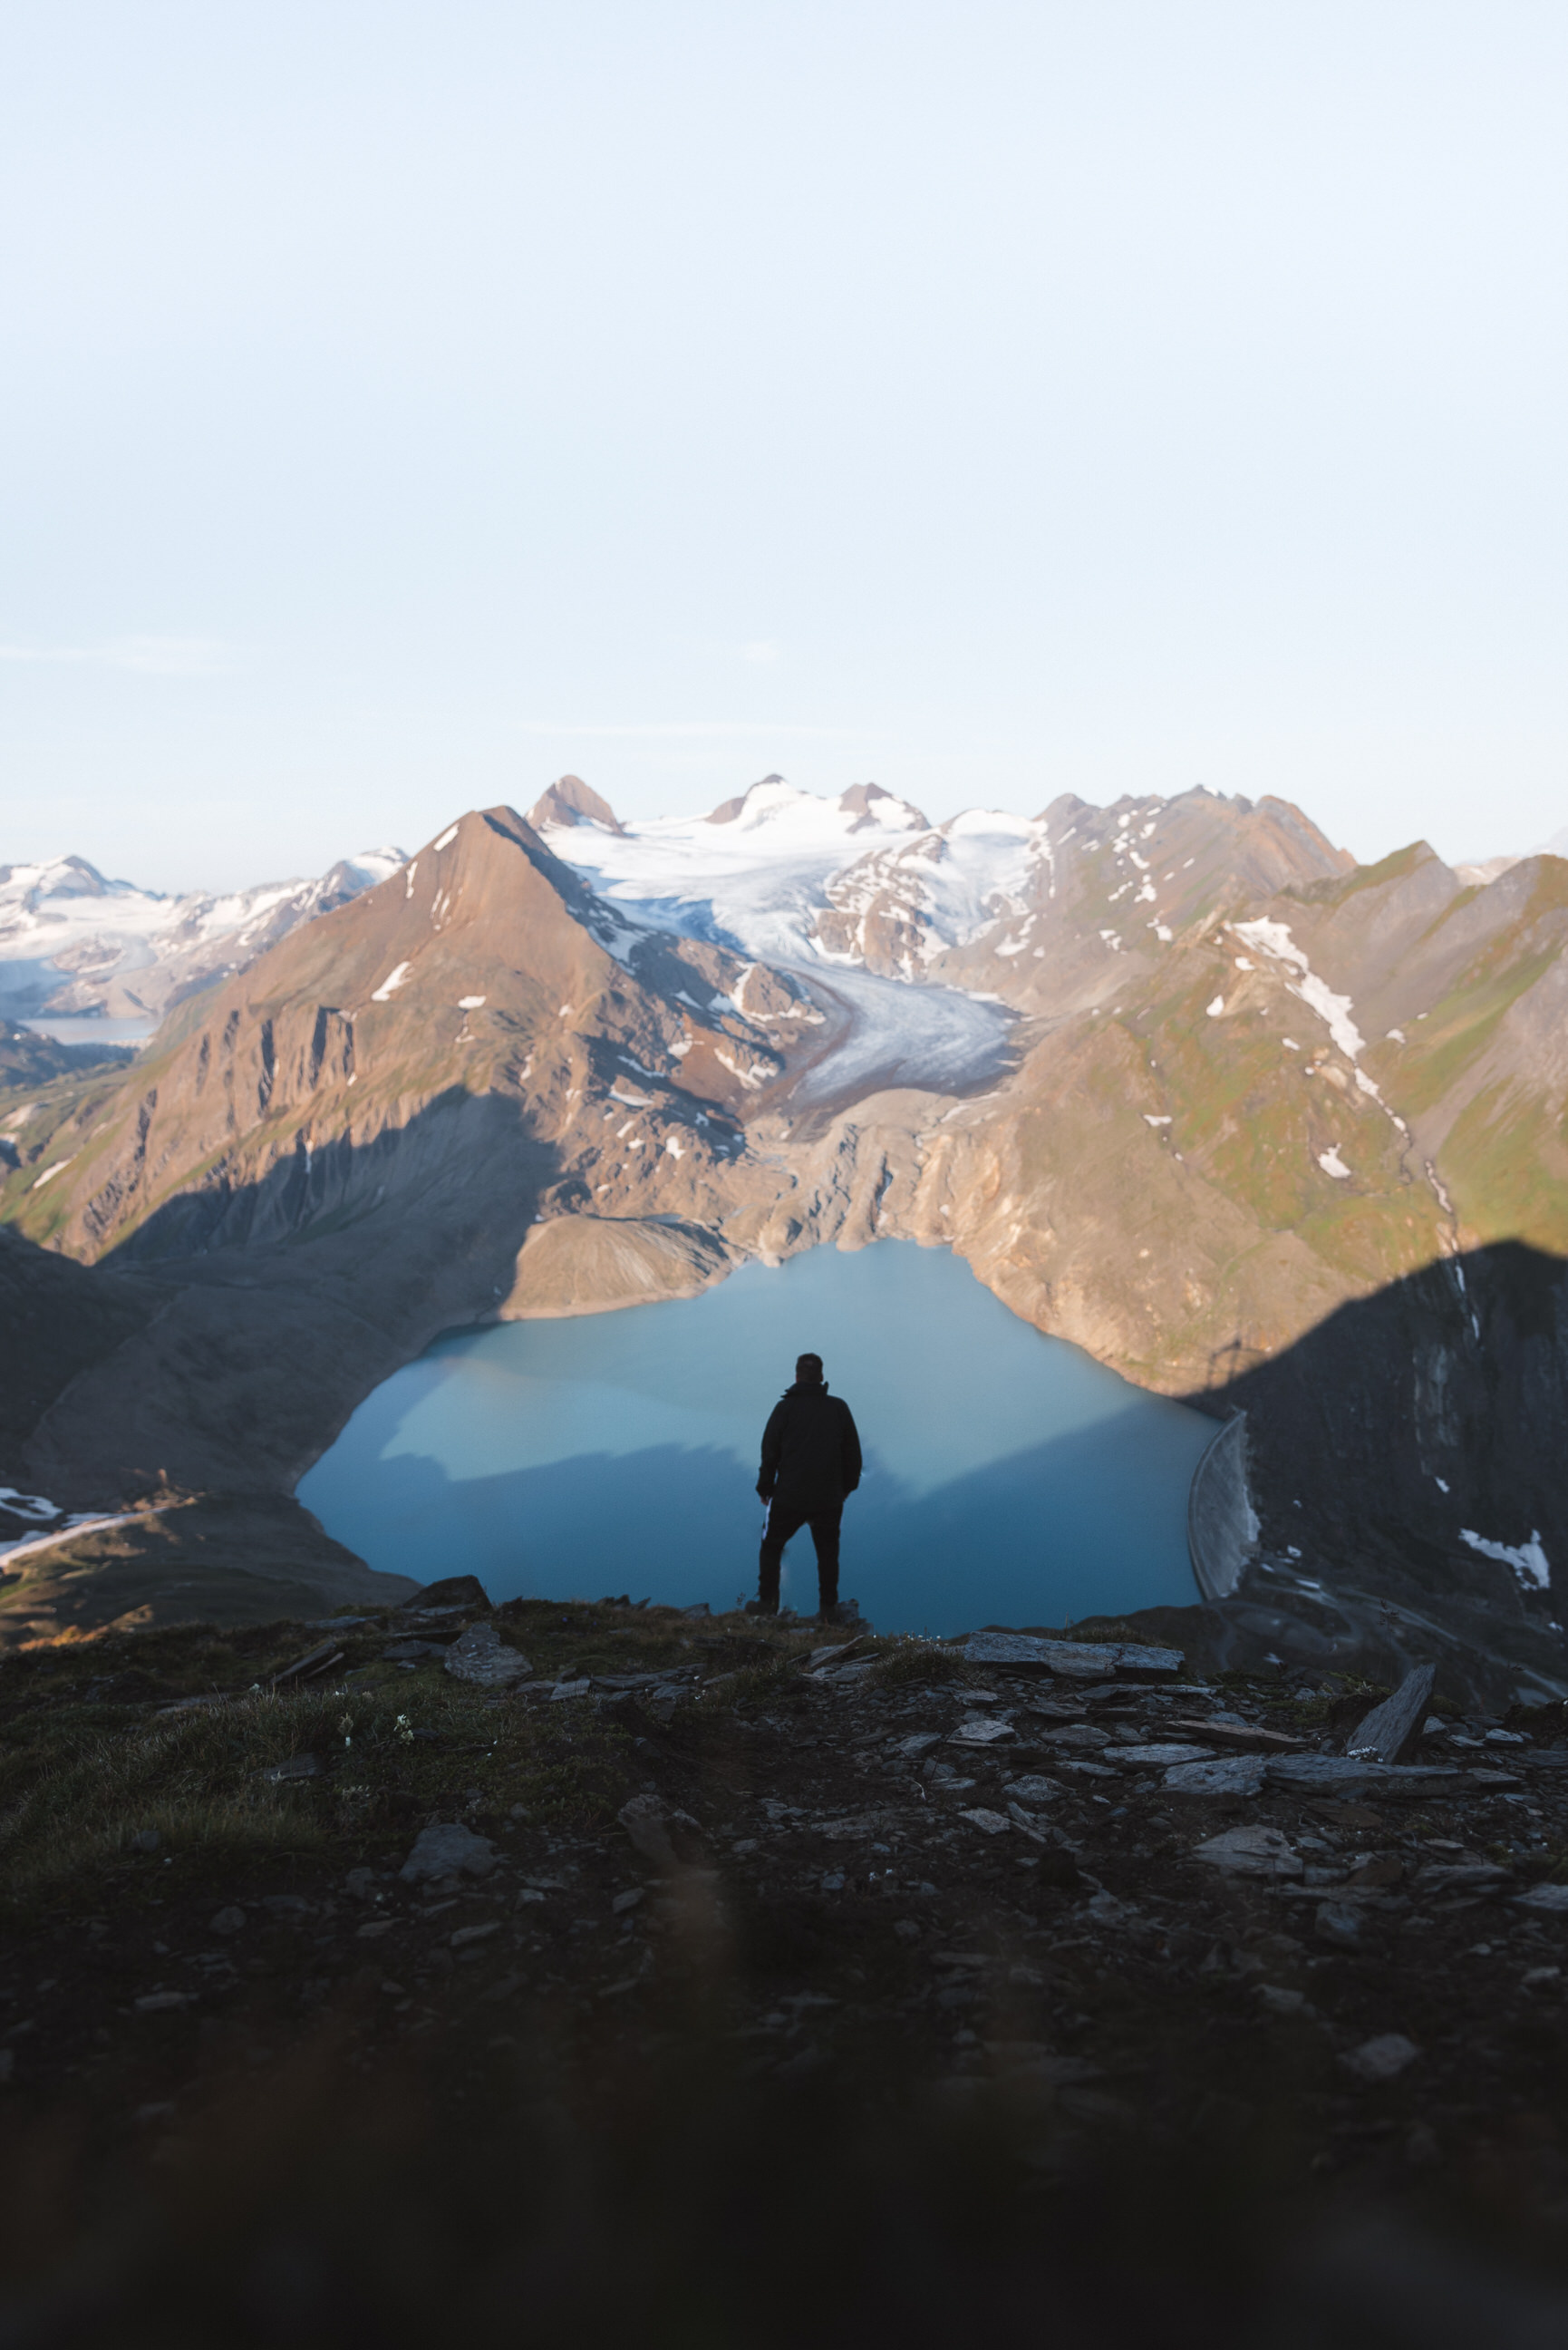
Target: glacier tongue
{"x": 757, "y": 882}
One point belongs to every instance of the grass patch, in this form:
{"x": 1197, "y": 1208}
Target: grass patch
{"x": 913, "y": 1661}
{"x": 754, "y": 1688}
{"x": 80, "y": 1793}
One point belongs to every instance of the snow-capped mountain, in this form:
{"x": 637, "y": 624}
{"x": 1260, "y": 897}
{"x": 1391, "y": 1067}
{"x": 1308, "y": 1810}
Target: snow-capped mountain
{"x": 990, "y": 903}
{"x": 755, "y": 872}
{"x": 73, "y": 941}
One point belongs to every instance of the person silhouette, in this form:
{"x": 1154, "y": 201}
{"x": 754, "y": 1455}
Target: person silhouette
{"x": 811, "y": 1464}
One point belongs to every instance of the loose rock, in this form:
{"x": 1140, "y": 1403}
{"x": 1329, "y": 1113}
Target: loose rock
{"x": 445, "y": 1849}
{"x": 1232, "y": 1774}
{"x": 1341, "y": 1925}
{"x": 1381, "y": 2059}
{"x": 646, "y": 1820}
{"x": 1033, "y": 1789}
{"x": 1155, "y": 1758}
{"x": 1252, "y": 1852}
{"x": 978, "y": 1731}
{"x": 1544, "y": 1896}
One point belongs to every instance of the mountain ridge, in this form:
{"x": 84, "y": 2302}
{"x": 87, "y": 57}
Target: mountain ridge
{"x": 1246, "y": 1084}
{"x": 74, "y": 942}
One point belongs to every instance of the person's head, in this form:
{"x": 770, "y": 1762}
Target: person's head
{"x": 808, "y": 1370}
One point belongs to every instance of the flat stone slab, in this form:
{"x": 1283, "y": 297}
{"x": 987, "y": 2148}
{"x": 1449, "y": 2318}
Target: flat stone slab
{"x": 981, "y": 1732}
{"x": 1550, "y": 1897}
{"x": 1225, "y": 1774}
{"x": 1343, "y": 1774}
{"x": 1026, "y": 1652}
{"x": 1460, "y": 1877}
{"x": 1155, "y": 1758}
{"x": 1252, "y": 1852}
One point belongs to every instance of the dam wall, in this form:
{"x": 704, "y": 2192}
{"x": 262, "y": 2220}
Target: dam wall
{"x": 1221, "y": 1523}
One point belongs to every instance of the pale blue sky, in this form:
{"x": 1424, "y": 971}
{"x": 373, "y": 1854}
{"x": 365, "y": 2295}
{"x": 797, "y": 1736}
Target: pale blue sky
{"x": 404, "y": 403}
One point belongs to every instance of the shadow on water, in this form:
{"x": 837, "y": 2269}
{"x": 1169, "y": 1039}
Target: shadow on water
{"x": 1008, "y": 1476}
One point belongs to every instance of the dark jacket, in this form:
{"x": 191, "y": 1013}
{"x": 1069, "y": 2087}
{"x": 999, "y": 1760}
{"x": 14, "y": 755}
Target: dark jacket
{"x": 811, "y": 1452}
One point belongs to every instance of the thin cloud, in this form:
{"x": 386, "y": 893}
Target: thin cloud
{"x": 762, "y": 649}
{"x": 142, "y": 656}
{"x": 704, "y": 728}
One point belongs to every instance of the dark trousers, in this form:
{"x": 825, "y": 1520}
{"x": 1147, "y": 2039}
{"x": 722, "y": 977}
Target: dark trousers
{"x": 786, "y": 1518}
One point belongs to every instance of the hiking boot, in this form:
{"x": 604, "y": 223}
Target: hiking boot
{"x": 761, "y": 1607}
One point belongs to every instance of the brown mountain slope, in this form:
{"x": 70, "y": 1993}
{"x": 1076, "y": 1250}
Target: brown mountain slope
{"x": 342, "y": 1152}
{"x": 484, "y": 971}
{"x": 1093, "y": 897}
{"x": 480, "y": 1089}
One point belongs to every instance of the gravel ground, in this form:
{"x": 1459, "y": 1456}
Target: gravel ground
{"x": 726, "y": 1944}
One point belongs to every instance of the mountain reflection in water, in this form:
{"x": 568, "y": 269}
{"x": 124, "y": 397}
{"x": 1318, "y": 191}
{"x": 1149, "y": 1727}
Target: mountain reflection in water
{"x": 1009, "y": 1478}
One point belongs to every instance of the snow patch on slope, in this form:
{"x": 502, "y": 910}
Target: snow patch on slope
{"x": 1528, "y": 1560}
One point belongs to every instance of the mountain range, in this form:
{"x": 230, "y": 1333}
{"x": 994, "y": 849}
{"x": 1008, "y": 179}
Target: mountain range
{"x": 73, "y": 944}
{"x": 1181, "y": 1081}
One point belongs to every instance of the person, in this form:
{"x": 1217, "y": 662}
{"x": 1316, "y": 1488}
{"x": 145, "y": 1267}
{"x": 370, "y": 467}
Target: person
{"x": 811, "y": 1464}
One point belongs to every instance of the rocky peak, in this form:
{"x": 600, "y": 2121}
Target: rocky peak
{"x": 482, "y": 984}
{"x": 569, "y": 801}
{"x": 730, "y": 811}
{"x": 860, "y": 801}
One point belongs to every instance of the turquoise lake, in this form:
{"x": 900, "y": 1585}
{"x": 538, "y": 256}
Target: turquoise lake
{"x": 1009, "y": 1478}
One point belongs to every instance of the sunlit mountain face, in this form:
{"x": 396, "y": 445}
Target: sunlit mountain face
{"x": 1179, "y": 1080}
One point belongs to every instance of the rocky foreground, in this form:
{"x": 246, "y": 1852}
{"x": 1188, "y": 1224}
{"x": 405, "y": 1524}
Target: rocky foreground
{"x": 549, "y": 1969}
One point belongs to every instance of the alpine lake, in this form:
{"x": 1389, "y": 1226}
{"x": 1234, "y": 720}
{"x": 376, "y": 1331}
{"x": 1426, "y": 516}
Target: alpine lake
{"x": 1009, "y": 1478}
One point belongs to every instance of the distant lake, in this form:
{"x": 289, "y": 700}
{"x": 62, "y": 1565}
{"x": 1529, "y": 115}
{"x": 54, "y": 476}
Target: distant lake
{"x": 1009, "y": 1478}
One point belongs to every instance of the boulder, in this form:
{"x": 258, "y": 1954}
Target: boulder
{"x": 1392, "y": 1729}
{"x": 453, "y": 1591}
{"x": 480, "y": 1656}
